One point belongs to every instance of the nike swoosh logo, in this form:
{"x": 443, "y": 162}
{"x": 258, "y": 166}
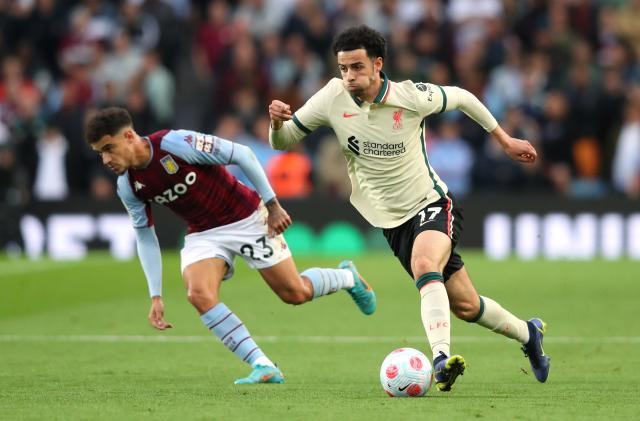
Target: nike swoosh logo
{"x": 403, "y": 388}
{"x": 426, "y": 222}
{"x": 347, "y": 115}
{"x": 266, "y": 377}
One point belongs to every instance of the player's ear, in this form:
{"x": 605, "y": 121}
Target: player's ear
{"x": 129, "y": 134}
{"x": 377, "y": 64}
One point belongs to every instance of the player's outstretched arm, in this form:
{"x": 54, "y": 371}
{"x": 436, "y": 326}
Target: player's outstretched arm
{"x": 518, "y": 149}
{"x": 463, "y": 100}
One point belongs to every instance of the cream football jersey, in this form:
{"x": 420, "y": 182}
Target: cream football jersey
{"x": 383, "y": 143}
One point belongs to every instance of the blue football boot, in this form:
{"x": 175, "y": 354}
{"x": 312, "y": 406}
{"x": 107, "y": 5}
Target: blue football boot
{"x": 447, "y": 369}
{"x": 263, "y": 374}
{"x": 540, "y": 362}
{"x": 361, "y": 292}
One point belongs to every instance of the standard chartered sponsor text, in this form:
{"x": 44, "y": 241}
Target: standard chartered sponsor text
{"x": 383, "y": 149}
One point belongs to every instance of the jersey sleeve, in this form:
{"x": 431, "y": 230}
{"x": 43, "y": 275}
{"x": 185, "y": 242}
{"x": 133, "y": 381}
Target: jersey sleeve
{"x": 245, "y": 158}
{"x": 198, "y": 148}
{"x": 436, "y": 99}
{"x": 430, "y": 98}
{"x": 150, "y": 258}
{"x": 313, "y": 113}
{"x": 139, "y": 212}
{"x": 146, "y": 240}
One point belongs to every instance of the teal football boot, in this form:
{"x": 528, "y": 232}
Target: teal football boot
{"x": 263, "y": 374}
{"x": 361, "y": 292}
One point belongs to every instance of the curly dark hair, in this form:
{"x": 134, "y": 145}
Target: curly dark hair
{"x": 107, "y": 121}
{"x": 361, "y": 37}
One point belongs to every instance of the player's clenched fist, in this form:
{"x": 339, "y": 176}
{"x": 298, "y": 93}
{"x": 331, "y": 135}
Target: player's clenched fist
{"x": 279, "y": 112}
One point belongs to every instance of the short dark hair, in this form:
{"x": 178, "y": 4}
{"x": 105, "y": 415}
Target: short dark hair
{"x": 107, "y": 121}
{"x": 361, "y": 37}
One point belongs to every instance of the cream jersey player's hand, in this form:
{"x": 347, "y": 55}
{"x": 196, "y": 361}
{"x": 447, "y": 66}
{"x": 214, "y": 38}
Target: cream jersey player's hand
{"x": 279, "y": 112}
{"x": 520, "y": 150}
{"x": 517, "y": 149}
{"x": 278, "y": 219}
{"x": 156, "y": 314}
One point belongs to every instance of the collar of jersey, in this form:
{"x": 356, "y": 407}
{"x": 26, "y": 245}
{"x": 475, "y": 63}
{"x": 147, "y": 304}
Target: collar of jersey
{"x": 382, "y": 93}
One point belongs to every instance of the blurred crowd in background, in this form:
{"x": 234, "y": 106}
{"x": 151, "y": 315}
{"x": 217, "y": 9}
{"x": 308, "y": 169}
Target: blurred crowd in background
{"x": 563, "y": 74}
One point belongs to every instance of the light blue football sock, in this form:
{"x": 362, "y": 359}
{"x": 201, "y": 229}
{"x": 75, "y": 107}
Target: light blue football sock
{"x": 231, "y": 331}
{"x": 328, "y": 281}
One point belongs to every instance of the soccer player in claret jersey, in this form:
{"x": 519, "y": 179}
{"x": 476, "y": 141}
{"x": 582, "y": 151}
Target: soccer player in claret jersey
{"x": 185, "y": 171}
{"x": 380, "y": 126}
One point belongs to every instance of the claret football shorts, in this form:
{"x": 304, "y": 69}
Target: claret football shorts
{"x": 247, "y": 238}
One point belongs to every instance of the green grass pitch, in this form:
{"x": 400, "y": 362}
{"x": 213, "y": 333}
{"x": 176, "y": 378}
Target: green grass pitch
{"x": 75, "y": 344}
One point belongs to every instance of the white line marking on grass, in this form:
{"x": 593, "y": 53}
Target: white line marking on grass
{"x": 308, "y": 339}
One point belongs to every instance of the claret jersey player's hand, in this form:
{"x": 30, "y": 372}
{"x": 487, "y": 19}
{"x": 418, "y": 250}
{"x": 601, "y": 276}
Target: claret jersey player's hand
{"x": 156, "y": 314}
{"x": 278, "y": 219}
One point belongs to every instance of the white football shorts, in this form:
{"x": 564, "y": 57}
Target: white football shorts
{"x": 247, "y": 238}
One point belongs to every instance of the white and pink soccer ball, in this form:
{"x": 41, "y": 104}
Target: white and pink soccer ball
{"x": 406, "y": 372}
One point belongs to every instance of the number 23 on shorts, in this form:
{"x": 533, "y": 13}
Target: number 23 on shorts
{"x": 248, "y": 249}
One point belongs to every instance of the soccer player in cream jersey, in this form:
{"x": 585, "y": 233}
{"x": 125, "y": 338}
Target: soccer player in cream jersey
{"x": 380, "y": 126}
{"x": 185, "y": 171}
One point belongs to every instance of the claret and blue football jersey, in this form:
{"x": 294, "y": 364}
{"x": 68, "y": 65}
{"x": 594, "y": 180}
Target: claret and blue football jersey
{"x": 186, "y": 173}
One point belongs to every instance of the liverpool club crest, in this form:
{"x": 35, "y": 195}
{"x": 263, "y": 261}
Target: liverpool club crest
{"x": 397, "y": 119}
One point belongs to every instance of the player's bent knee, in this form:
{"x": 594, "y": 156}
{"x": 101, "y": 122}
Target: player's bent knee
{"x": 201, "y": 299}
{"x": 421, "y": 265}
